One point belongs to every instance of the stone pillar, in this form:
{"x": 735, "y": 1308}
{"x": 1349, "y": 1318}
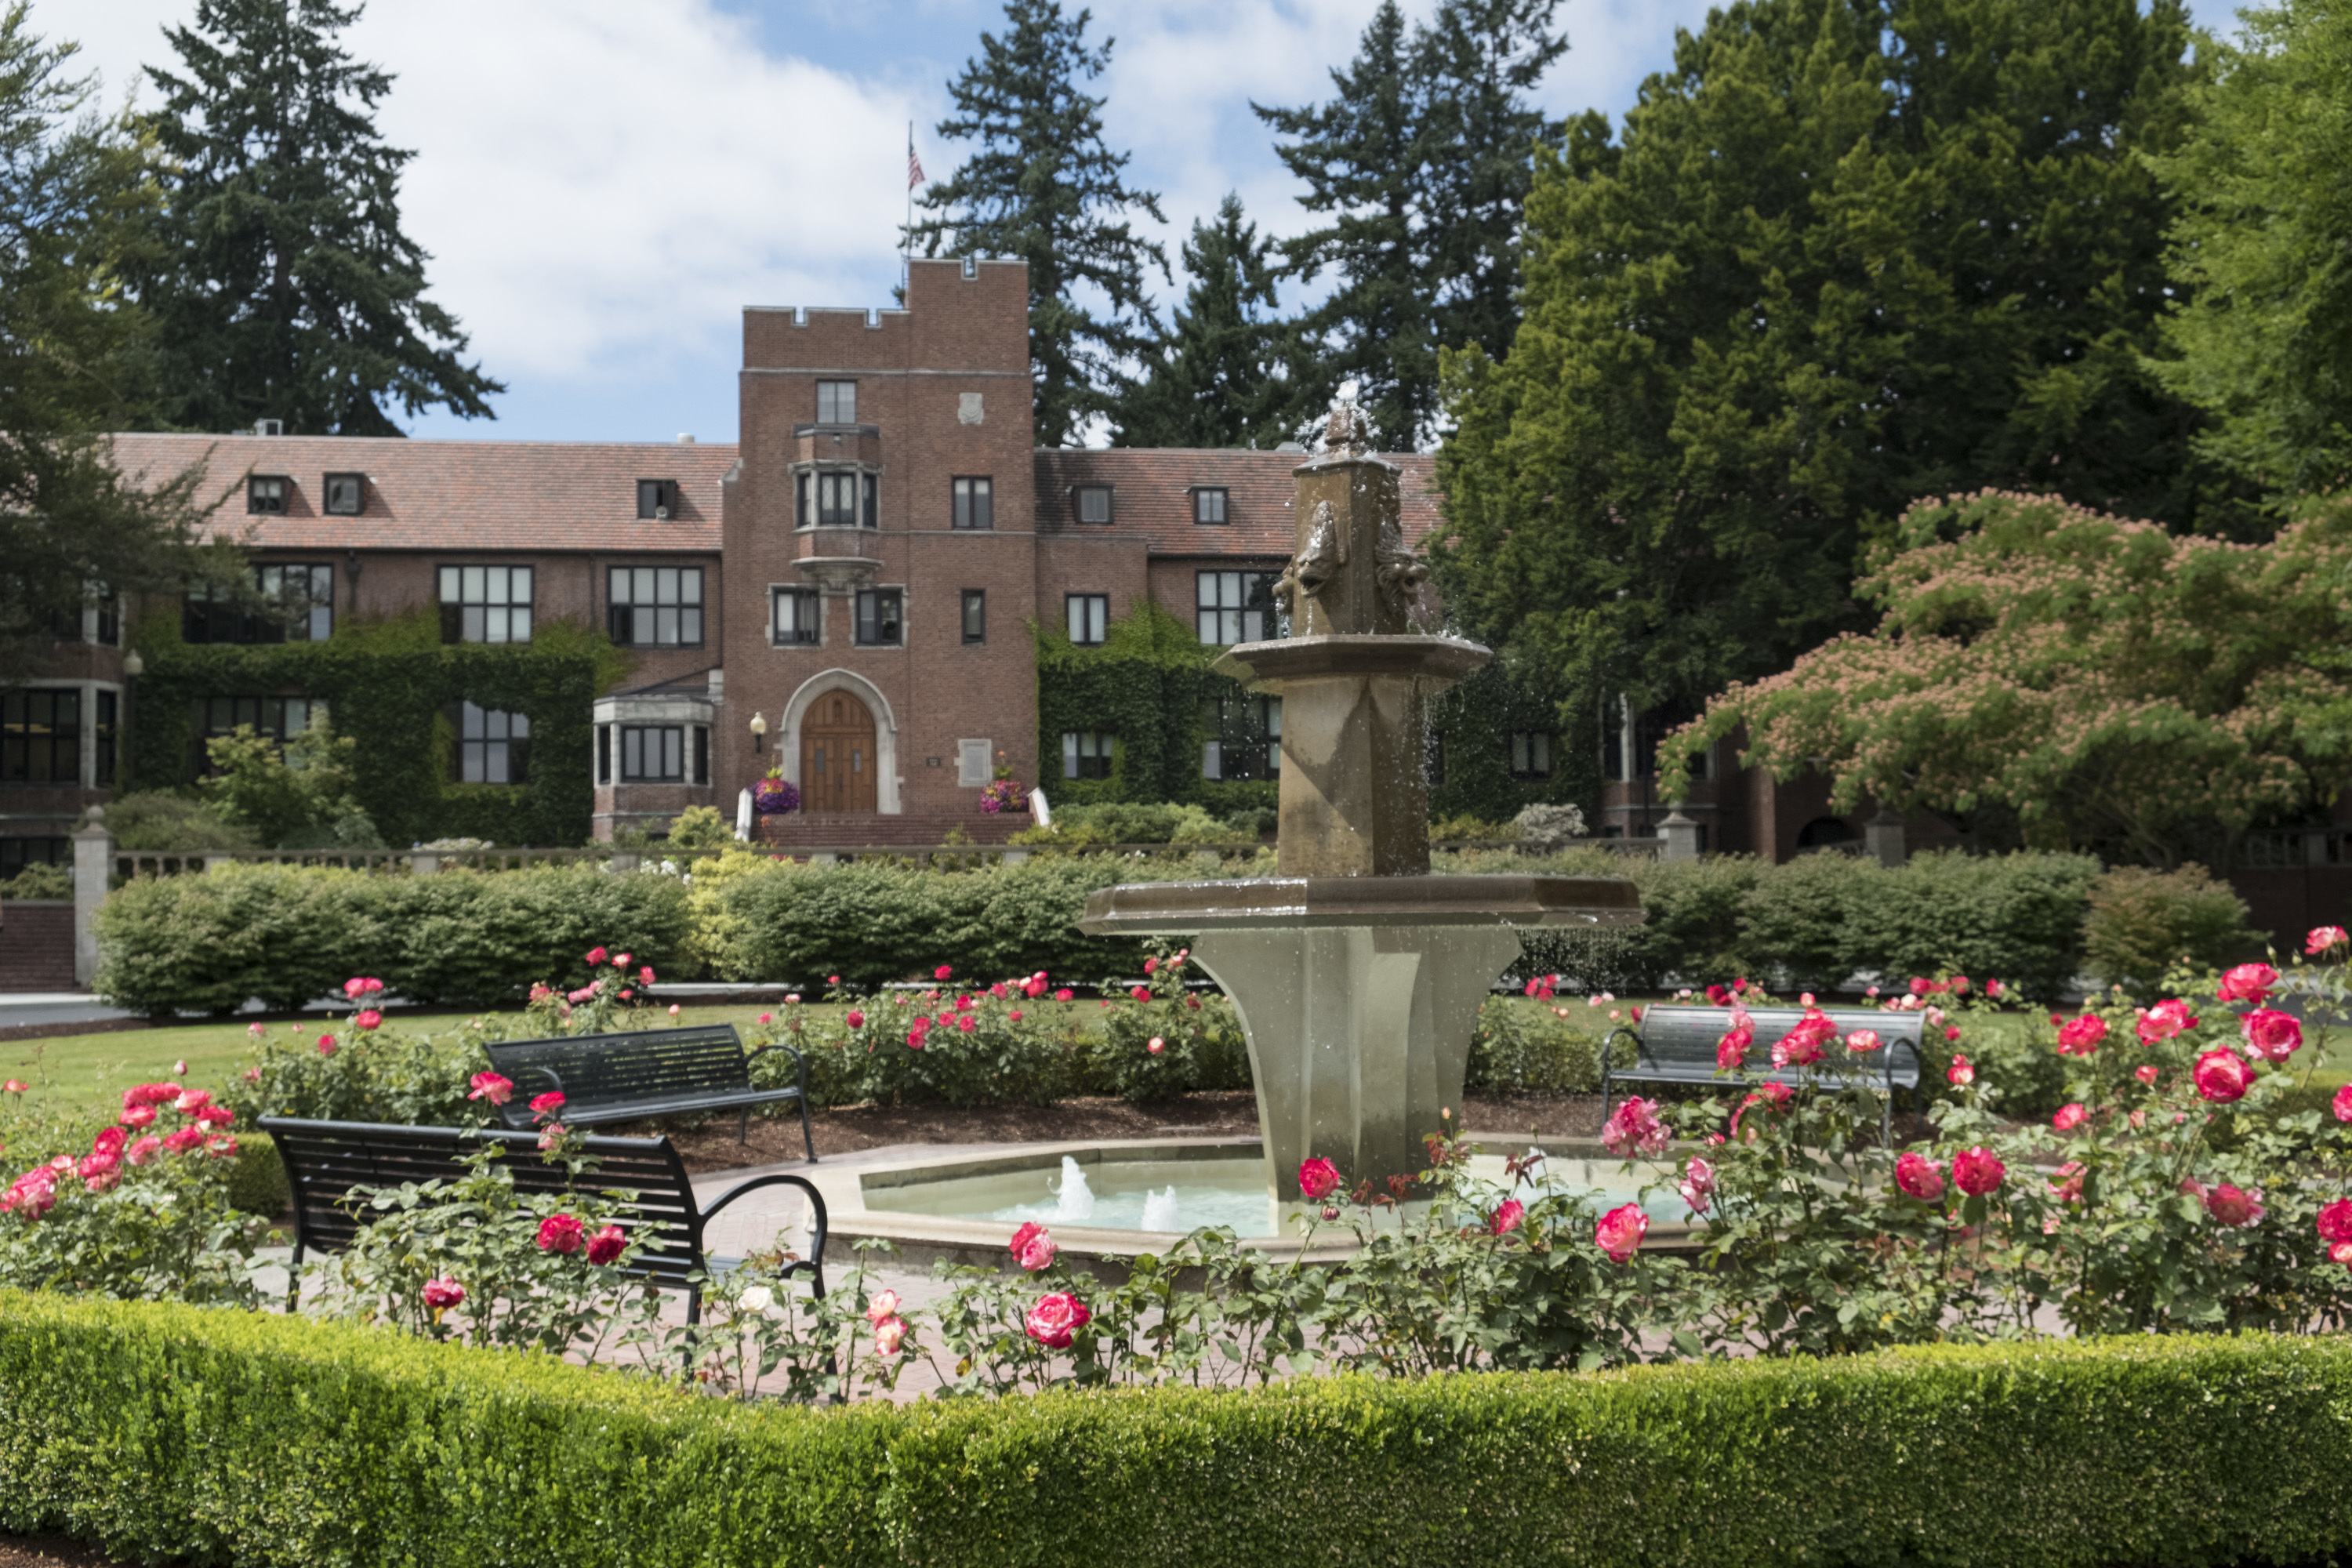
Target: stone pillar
{"x": 623, "y": 861}
{"x": 423, "y": 863}
{"x": 93, "y": 869}
{"x": 744, "y": 816}
{"x": 1882, "y": 838}
{"x": 1680, "y": 835}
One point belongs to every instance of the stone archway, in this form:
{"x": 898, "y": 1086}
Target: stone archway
{"x": 802, "y": 713}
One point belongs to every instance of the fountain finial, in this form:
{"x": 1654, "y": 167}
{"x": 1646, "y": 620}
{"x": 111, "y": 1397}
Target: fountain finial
{"x": 1346, "y": 431}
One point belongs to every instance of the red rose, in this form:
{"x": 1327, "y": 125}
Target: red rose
{"x": 1619, "y": 1232}
{"x": 2146, "y": 1073}
{"x": 1318, "y": 1178}
{"x": 1055, "y": 1319}
{"x": 1717, "y": 996}
{"x": 2321, "y": 939}
{"x": 597, "y": 955}
{"x": 1731, "y": 1051}
{"x": 1919, "y": 1176}
{"x": 943, "y": 972}
{"x": 2070, "y": 1117}
{"x": 1961, "y": 1072}
{"x": 2230, "y": 1207}
{"x": 2221, "y": 1077}
{"x": 367, "y": 1018}
{"x": 443, "y": 1293}
{"x": 2079, "y": 1036}
{"x": 2335, "y": 1221}
{"x": 562, "y": 1233}
{"x": 1506, "y": 1219}
{"x": 548, "y": 1104}
{"x": 606, "y": 1245}
{"x": 2248, "y": 982}
{"x": 493, "y": 1087}
{"x": 2163, "y": 1021}
{"x": 2343, "y": 1103}
{"x": 1978, "y": 1171}
{"x": 2275, "y": 1036}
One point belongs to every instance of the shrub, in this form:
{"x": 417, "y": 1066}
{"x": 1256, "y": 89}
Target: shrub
{"x": 700, "y": 827}
{"x": 290, "y": 935}
{"x": 167, "y": 1432}
{"x": 2017, "y": 917}
{"x": 1521, "y": 1048}
{"x": 38, "y": 880}
{"x": 158, "y": 820}
{"x": 1805, "y": 921}
{"x": 2143, "y": 922}
{"x": 1199, "y": 1041}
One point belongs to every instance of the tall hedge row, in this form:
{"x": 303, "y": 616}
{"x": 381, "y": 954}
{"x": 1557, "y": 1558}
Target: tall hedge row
{"x": 171, "y": 1432}
{"x": 290, "y": 934}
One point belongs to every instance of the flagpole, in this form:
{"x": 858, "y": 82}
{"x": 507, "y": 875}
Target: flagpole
{"x": 906, "y": 234}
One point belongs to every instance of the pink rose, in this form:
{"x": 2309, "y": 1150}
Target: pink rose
{"x": 943, "y": 972}
{"x": 546, "y": 1105}
{"x": 562, "y": 1233}
{"x": 1717, "y": 996}
{"x": 109, "y": 1140}
{"x": 491, "y": 1086}
{"x": 185, "y": 1139}
{"x": 2068, "y": 1187}
{"x": 1155, "y": 1045}
{"x": 1978, "y": 1171}
{"x": 1619, "y": 1232}
{"x": 2335, "y": 1221}
{"x": 1697, "y": 1185}
{"x": 645, "y": 975}
{"x": 2221, "y": 1077}
{"x": 1919, "y": 1176}
{"x": 1960, "y": 1073}
{"x": 1731, "y": 1051}
{"x": 1037, "y": 1253}
{"x": 2248, "y": 982}
{"x": 1802, "y": 1046}
{"x": 622, "y": 962}
{"x": 1055, "y": 1319}
{"x": 16, "y": 1086}
{"x": 2343, "y": 1103}
{"x": 212, "y": 1116}
{"x": 1318, "y": 1178}
{"x": 884, "y": 1304}
{"x": 596, "y": 955}
{"x": 2146, "y": 1073}
{"x": 368, "y": 1018}
{"x": 856, "y": 1020}
{"x": 606, "y": 1245}
{"x": 2230, "y": 1207}
{"x": 1863, "y": 1040}
{"x": 2322, "y": 938}
{"x": 144, "y": 1149}
{"x": 443, "y": 1293}
{"x": 2070, "y": 1117}
{"x": 2079, "y": 1036}
{"x": 1507, "y": 1216}
{"x": 1634, "y": 1127}
{"x": 99, "y": 1171}
{"x": 2341, "y": 1253}
{"x": 1064, "y": 995}
{"x": 139, "y": 1116}
{"x": 2274, "y": 1035}
{"x": 892, "y": 1332}
{"x": 2164, "y": 1021}
{"x": 325, "y": 1044}
{"x": 1150, "y": 965}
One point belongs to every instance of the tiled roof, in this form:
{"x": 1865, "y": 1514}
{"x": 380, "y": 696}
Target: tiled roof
{"x": 432, "y": 495}
{"x": 1151, "y": 495}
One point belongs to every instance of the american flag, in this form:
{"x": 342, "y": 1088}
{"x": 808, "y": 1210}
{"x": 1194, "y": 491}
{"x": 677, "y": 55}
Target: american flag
{"x": 914, "y": 168}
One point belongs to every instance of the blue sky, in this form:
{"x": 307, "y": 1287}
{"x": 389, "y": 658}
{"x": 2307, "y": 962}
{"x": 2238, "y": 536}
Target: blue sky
{"x": 605, "y": 183}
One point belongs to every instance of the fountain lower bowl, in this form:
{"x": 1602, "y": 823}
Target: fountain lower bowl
{"x": 1507, "y": 900}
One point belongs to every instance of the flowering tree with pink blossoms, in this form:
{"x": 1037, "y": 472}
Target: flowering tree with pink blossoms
{"x": 2098, "y": 682}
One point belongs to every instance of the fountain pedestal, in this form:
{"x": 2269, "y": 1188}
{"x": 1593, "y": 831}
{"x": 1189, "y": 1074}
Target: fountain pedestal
{"x": 1356, "y": 974}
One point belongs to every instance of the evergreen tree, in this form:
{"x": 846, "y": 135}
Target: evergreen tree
{"x": 1423, "y": 160}
{"x": 1043, "y": 188}
{"x": 2260, "y": 335}
{"x": 1215, "y": 379}
{"x": 287, "y": 290}
{"x": 76, "y": 202}
{"x": 1847, "y": 253}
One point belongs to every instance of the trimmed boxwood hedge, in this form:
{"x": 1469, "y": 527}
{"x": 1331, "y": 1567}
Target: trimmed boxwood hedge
{"x": 166, "y": 1431}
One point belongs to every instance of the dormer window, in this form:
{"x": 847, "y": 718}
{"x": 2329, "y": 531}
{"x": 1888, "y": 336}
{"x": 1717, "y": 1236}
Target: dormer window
{"x": 1209, "y": 506}
{"x": 658, "y": 499}
{"x": 836, "y": 403}
{"x": 1094, "y": 503}
{"x": 346, "y": 494}
{"x": 264, "y": 496}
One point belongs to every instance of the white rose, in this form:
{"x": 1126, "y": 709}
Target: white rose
{"x": 758, "y": 1299}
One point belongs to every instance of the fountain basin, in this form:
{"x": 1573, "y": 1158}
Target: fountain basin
{"x": 965, "y": 1207}
{"x": 1274, "y": 903}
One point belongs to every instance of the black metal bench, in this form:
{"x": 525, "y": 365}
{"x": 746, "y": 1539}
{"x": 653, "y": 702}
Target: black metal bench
{"x": 1677, "y": 1044}
{"x": 646, "y": 1073}
{"x": 326, "y": 1160}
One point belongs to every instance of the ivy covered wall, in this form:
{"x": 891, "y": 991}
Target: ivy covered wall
{"x": 1471, "y": 727}
{"x": 387, "y": 684}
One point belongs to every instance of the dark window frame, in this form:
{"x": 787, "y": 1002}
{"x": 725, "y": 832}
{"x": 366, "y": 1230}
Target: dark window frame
{"x": 830, "y": 389}
{"x": 1241, "y": 734}
{"x": 624, "y": 616}
{"x": 1095, "y": 629}
{"x": 262, "y": 502}
{"x": 16, "y": 852}
{"x": 971, "y": 502}
{"x": 203, "y": 623}
{"x": 1078, "y": 494}
{"x": 489, "y": 739}
{"x": 1089, "y": 754}
{"x": 1252, "y": 594}
{"x": 880, "y": 618}
{"x": 1532, "y": 753}
{"x": 21, "y": 711}
{"x": 327, "y": 488}
{"x": 657, "y": 499}
{"x": 453, "y": 622}
{"x": 670, "y": 742}
{"x": 974, "y": 609}
{"x": 1224, "y": 505}
{"x": 810, "y": 636}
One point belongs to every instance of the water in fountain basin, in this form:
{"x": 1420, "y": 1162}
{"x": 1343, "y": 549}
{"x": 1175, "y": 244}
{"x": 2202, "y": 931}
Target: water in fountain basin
{"x": 1159, "y": 1210}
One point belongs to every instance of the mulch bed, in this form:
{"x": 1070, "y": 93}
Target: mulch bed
{"x": 49, "y": 1552}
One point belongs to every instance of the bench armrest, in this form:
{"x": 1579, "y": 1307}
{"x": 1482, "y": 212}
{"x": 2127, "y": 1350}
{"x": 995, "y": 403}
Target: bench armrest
{"x": 799, "y": 1065}
{"x": 814, "y": 1262}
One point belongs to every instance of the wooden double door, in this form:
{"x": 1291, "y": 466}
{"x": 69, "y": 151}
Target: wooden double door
{"x": 838, "y": 767}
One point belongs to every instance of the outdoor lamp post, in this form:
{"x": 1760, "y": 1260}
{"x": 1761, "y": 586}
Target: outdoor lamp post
{"x": 759, "y": 733}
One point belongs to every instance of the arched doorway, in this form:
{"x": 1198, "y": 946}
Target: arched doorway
{"x": 837, "y": 761}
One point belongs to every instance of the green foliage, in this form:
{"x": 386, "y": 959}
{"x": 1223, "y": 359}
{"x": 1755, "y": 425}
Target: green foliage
{"x": 1170, "y": 1041}
{"x": 1845, "y": 253}
{"x": 2069, "y": 679}
{"x": 700, "y": 827}
{"x": 284, "y": 286}
{"x": 387, "y": 685}
{"x": 166, "y": 1431}
{"x": 1041, "y": 186}
{"x": 1144, "y": 686}
{"x": 155, "y": 819}
{"x": 297, "y": 797}
{"x": 77, "y": 200}
{"x": 1472, "y": 724}
{"x": 290, "y": 935}
{"x": 38, "y": 880}
{"x": 1215, "y": 377}
{"x": 258, "y": 1183}
{"x": 1420, "y": 164}
{"x": 2145, "y": 924}
{"x": 399, "y": 1072}
{"x": 2260, "y": 333}
{"x": 1524, "y": 1048}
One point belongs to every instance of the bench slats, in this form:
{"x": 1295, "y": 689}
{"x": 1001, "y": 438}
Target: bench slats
{"x": 1677, "y": 1044}
{"x": 640, "y": 1074}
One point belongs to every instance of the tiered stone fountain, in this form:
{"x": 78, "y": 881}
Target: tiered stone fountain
{"x": 1357, "y": 974}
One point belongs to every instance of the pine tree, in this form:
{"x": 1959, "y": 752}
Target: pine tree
{"x": 1215, "y": 379}
{"x": 288, "y": 289}
{"x": 1043, "y": 188}
{"x": 1423, "y": 159}
{"x": 76, "y": 207}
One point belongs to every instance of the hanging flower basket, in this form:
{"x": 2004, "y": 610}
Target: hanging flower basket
{"x": 1005, "y": 794}
{"x": 775, "y": 797}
